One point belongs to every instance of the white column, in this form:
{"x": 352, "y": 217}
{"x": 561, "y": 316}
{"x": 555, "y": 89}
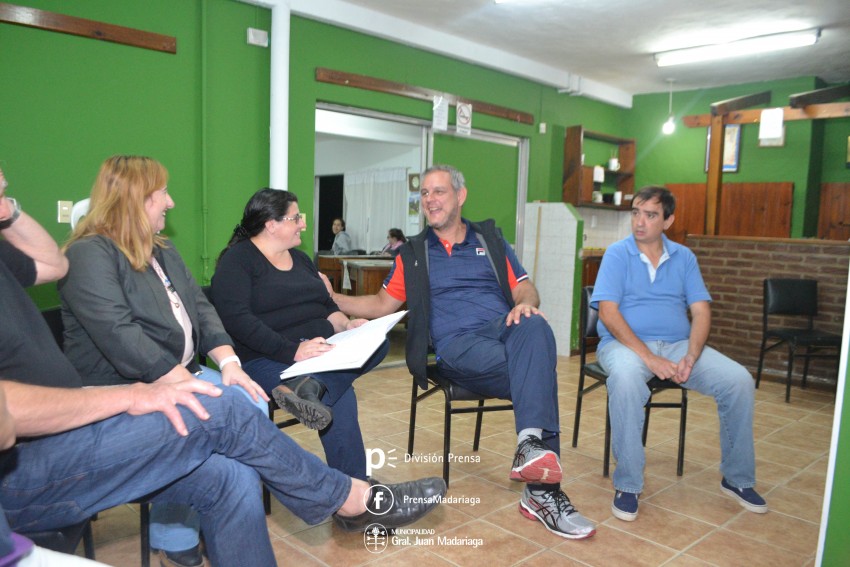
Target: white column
{"x": 279, "y": 112}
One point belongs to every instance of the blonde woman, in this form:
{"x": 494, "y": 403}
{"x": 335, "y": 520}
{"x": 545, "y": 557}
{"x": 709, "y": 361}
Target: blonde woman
{"x": 133, "y": 312}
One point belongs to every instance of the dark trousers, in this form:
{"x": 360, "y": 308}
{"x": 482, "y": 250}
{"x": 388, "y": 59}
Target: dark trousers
{"x": 342, "y": 439}
{"x": 514, "y": 362}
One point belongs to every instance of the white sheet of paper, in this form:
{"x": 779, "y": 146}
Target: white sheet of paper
{"x": 352, "y": 348}
{"x": 440, "y": 114}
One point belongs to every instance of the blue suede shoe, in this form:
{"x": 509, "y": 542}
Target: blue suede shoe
{"x": 625, "y": 506}
{"x": 746, "y": 497}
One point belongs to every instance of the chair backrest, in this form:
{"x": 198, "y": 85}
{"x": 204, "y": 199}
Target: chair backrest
{"x": 53, "y": 317}
{"x": 588, "y": 317}
{"x": 790, "y": 297}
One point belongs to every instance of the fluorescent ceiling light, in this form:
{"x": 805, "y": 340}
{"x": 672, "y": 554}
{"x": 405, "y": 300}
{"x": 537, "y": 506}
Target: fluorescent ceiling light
{"x": 749, "y": 46}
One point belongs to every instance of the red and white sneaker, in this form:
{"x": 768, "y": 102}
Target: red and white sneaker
{"x": 535, "y": 462}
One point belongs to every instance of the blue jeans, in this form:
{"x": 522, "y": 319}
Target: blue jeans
{"x": 714, "y": 374}
{"x": 342, "y": 439}
{"x": 514, "y": 363}
{"x": 216, "y": 469}
{"x": 175, "y": 527}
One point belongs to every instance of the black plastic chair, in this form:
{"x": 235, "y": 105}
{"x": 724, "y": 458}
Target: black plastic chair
{"x": 795, "y": 299}
{"x": 452, "y": 393}
{"x": 588, "y": 336}
{"x": 66, "y": 539}
{"x": 267, "y": 497}
{"x": 53, "y": 318}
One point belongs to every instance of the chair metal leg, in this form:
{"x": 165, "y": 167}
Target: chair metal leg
{"x": 607, "y": 460}
{"x": 790, "y": 371}
{"x": 579, "y": 398}
{"x": 646, "y": 409}
{"x": 806, "y": 365}
{"x": 447, "y": 437}
{"x": 144, "y": 532}
{"x": 88, "y": 541}
{"x": 267, "y": 500}
{"x": 479, "y": 418}
{"x": 761, "y": 361}
{"x": 412, "y": 430}
{"x": 680, "y": 466}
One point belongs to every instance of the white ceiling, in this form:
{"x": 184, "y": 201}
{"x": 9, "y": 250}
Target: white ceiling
{"x": 604, "y": 48}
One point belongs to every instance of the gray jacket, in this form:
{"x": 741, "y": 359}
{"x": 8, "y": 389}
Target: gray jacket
{"x": 119, "y": 325}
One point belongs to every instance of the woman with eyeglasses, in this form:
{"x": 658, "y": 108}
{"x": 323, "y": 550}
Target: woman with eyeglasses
{"x": 277, "y": 309}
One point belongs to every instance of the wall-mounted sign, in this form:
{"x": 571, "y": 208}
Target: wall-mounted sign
{"x": 464, "y": 118}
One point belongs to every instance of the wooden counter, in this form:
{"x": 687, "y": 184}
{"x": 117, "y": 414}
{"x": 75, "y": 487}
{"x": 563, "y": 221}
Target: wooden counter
{"x": 367, "y": 275}
{"x": 331, "y": 266}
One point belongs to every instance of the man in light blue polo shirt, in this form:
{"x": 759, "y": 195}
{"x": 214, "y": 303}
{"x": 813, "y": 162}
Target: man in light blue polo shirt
{"x": 645, "y": 288}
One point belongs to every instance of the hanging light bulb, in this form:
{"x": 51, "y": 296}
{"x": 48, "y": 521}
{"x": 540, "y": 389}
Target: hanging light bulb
{"x": 670, "y": 125}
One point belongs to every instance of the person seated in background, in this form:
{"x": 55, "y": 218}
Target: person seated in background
{"x": 275, "y": 307}
{"x": 395, "y": 238}
{"x": 184, "y": 441}
{"x": 470, "y": 298}
{"x": 133, "y": 312}
{"x": 342, "y": 241}
{"x": 645, "y": 290}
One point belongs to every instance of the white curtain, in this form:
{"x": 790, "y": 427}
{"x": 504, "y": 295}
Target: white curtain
{"x": 374, "y": 201}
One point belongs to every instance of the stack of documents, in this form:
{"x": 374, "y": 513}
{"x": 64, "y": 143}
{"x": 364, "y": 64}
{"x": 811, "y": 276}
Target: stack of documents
{"x": 352, "y": 348}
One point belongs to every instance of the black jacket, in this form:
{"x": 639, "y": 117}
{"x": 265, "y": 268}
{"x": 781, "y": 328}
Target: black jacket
{"x": 414, "y": 255}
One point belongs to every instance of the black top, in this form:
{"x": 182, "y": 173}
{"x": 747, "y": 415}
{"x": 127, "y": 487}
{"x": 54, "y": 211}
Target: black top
{"x": 28, "y": 351}
{"x": 266, "y": 311}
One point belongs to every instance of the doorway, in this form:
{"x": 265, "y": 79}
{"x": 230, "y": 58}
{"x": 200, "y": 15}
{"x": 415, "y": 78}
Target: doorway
{"x": 330, "y": 199}
{"x": 496, "y": 165}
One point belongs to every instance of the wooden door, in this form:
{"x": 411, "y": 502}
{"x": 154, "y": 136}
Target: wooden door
{"x": 834, "y": 216}
{"x": 746, "y": 209}
{"x": 690, "y": 211}
{"x": 756, "y": 209}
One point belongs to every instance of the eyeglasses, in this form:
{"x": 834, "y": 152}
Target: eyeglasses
{"x": 297, "y": 218}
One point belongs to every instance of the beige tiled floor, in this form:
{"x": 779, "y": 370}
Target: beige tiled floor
{"x": 684, "y": 521}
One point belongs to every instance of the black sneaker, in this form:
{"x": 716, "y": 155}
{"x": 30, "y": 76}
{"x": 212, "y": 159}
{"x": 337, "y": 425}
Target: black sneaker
{"x": 535, "y": 462}
{"x": 746, "y": 497}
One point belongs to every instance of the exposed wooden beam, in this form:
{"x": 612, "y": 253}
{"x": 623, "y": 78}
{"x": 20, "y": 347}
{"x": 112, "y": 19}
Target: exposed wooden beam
{"x": 727, "y": 106}
{"x": 714, "y": 180}
{"x": 819, "y": 96}
{"x": 51, "y": 21}
{"x": 324, "y": 75}
{"x": 811, "y": 112}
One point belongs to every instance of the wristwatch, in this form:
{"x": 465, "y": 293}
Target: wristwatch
{"x": 16, "y": 212}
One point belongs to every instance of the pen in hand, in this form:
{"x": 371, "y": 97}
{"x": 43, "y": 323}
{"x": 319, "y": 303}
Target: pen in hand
{"x": 310, "y": 348}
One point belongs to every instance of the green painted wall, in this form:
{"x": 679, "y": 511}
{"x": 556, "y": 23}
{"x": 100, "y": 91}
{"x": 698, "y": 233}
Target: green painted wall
{"x": 69, "y": 102}
{"x": 680, "y": 157}
{"x": 356, "y": 53}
